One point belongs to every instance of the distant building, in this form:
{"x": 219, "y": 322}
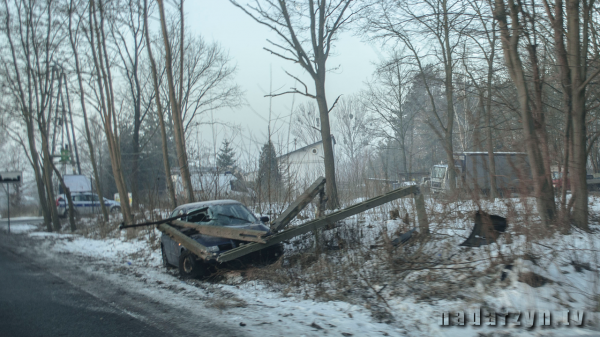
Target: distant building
{"x": 210, "y": 182}
{"x": 301, "y": 167}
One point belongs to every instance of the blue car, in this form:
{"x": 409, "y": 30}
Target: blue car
{"x": 229, "y": 213}
{"x": 85, "y": 203}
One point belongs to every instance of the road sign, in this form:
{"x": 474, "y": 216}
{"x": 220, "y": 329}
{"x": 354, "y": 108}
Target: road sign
{"x": 8, "y": 178}
{"x": 13, "y": 177}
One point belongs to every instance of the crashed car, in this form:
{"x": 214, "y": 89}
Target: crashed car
{"x": 228, "y": 213}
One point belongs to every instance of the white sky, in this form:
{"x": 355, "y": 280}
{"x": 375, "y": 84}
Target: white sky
{"x": 244, "y": 38}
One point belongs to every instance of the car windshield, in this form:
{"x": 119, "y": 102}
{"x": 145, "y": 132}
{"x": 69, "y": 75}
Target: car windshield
{"x": 231, "y": 214}
{"x": 438, "y": 172}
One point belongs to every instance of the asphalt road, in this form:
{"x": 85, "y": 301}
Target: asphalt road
{"x": 42, "y": 295}
{"x": 36, "y": 303}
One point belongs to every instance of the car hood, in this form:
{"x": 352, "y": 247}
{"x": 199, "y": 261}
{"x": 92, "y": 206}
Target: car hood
{"x": 209, "y": 241}
{"x": 111, "y": 202}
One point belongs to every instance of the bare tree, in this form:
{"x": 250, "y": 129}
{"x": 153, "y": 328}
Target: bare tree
{"x": 443, "y": 22}
{"x": 485, "y": 40}
{"x": 97, "y": 39}
{"x": 534, "y": 128}
{"x": 306, "y": 125}
{"x": 307, "y": 30}
{"x": 176, "y": 101}
{"x": 27, "y": 74}
{"x": 129, "y": 43}
{"x": 206, "y": 82}
{"x": 386, "y": 98}
{"x": 354, "y": 134}
{"x": 574, "y": 69}
{"x": 73, "y": 39}
{"x": 159, "y": 111}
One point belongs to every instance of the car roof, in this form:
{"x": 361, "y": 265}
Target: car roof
{"x": 200, "y": 204}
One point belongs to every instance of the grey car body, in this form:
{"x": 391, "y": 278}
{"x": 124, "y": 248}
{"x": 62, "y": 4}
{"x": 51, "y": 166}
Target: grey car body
{"x": 85, "y": 203}
{"x": 230, "y": 213}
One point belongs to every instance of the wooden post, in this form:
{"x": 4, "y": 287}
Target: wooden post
{"x": 421, "y": 214}
{"x": 298, "y": 205}
{"x": 225, "y": 232}
{"x": 320, "y": 213}
{"x": 311, "y": 226}
{"x": 187, "y": 242}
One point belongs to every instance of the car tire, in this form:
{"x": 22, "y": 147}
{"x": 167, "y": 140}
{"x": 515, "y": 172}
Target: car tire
{"x": 115, "y": 210}
{"x": 190, "y": 267}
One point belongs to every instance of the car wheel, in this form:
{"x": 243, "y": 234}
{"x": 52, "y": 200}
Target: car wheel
{"x": 190, "y": 267}
{"x": 115, "y": 210}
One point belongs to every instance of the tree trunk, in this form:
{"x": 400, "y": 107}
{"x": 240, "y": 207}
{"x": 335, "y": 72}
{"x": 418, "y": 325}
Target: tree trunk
{"x": 448, "y": 69}
{"x": 510, "y": 42}
{"x": 88, "y": 137}
{"x": 105, "y": 91}
{"x": 159, "y": 110}
{"x": 135, "y": 157}
{"x": 577, "y": 70}
{"x": 331, "y": 188}
{"x": 490, "y": 148}
{"x": 39, "y": 178}
{"x": 69, "y": 198}
{"x": 176, "y": 112}
{"x": 47, "y": 170}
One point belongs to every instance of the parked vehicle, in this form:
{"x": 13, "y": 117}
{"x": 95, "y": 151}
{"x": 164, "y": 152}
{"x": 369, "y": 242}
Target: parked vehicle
{"x": 557, "y": 181}
{"x": 593, "y": 181}
{"x": 472, "y": 172}
{"x": 228, "y": 213}
{"x": 76, "y": 183}
{"x": 85, "y": 203}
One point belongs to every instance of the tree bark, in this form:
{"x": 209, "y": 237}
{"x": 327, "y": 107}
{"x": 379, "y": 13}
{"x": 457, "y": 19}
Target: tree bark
{"x": 175, "y": 111}
{"x": 328, "y": 156}
{"x": 105, "y": 91}
{"x": 577, "y": 72}
{"x": 88, "y": 137}
{"x": 510, "y": 43}
{"x": 159, "y": 110}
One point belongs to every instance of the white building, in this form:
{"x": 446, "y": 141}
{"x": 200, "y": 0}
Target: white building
{"x": 301, "y": 167}
{"x": 210, "y": 183}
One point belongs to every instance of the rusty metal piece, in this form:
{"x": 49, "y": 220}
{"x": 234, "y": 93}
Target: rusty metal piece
{"x": 487, "y": 229}
{"x": 224, "y": 232}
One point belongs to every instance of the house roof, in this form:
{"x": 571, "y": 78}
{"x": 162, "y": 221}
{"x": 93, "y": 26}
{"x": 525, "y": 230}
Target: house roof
{"x": 306, "y": 147}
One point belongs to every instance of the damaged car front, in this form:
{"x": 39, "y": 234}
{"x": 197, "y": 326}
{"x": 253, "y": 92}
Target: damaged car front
{"x": 225, "y": 213}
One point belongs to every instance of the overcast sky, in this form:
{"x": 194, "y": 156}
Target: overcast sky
{"x": 245, "y": 39}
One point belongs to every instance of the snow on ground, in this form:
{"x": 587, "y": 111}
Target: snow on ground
{"x": 18, "y": 228}
{"x": 461, "y": 279}
{"x": 250, "y": 303}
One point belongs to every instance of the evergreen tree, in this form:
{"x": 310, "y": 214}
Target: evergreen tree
{"x": 225, "y": 157}
{"x": 269, "y": 176}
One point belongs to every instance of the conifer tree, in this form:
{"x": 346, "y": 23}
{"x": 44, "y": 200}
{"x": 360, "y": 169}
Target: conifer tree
{"x": 269, "y": 176}
{"x": 226, "y": 155}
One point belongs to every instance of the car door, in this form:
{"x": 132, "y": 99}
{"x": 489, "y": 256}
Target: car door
{"x": 86, "y": 202}
{"x": 78, "y": 203}
{"x": 95, "y": 204}
{"x": 174, "y": 245}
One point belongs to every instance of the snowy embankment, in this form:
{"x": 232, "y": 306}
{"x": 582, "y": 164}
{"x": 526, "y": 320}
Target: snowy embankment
{"x": 374, "y": 290}
{"x": 250, "y": 304}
